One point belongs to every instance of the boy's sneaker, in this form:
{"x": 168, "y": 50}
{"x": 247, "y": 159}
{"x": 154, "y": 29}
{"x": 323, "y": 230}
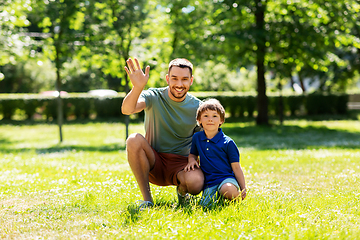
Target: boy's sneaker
{"x": 144, "y": 205}
{"x": 183, "y": 199}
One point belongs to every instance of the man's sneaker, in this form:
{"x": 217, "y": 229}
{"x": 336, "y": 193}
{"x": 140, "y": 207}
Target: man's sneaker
{"x": 144, "y": 205}
{"x": 183, "y": 199}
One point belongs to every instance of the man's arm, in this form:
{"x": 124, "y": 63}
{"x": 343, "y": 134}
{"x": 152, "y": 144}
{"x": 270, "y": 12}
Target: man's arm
{"x": 132, "y": 103}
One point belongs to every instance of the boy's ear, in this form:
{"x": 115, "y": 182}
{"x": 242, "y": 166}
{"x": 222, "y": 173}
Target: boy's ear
{"x": 221, "y": 123}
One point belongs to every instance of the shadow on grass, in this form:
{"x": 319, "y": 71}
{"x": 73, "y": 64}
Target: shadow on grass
{"x": 249, "y": 136}
{"x": 31, "y": 122}
{"x": 59, "y": 148}
{"x": 291, "y": 137}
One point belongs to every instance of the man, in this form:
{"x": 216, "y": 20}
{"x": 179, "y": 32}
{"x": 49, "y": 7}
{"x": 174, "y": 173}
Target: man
{"x": 170, "y": 122}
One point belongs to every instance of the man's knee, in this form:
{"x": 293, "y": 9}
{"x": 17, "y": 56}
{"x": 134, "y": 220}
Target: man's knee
{"x": 133, "y": 141}
{"x": 195, "y": 182}
{"x": 133, "y": 138}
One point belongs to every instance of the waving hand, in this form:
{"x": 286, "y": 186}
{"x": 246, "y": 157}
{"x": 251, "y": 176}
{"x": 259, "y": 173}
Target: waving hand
{"x": 136, "y": 75}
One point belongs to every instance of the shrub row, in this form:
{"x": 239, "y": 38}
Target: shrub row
{"x": 84, "y": 105}
{"x": 295, "y": 105}
{"x": 77, "y": 105}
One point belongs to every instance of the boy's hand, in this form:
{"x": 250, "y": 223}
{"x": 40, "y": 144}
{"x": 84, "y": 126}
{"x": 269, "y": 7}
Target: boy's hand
{"x": 243, "y": 194}
{"x": 191, "y": 165}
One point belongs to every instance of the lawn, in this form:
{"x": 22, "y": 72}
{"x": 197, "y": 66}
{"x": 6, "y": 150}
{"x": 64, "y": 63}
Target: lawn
{"x": 303, "y": 179}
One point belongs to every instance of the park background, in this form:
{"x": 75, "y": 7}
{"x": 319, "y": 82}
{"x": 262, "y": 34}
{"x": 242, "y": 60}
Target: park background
{"x": 286, "y": 71}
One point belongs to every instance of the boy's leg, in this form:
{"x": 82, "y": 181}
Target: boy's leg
{"x": 190, "y": 182}
{"x": 229, "y": 188}
{"x": 209, "y": 196}
{"x": 141, "y": 159}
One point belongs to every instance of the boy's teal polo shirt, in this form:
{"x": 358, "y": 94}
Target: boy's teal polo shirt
{"x": 216, "y": 156}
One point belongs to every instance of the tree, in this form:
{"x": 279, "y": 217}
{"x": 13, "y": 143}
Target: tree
{"x": 12, "y": 22}
{"x": 60, "y": 22}
{"x": 112, "y": 28}
{"x": 314, "y": 40}
{"x": 241, "y": 36}
{"x": 283, "y": 36}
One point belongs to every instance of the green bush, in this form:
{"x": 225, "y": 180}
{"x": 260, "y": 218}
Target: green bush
{"x": 250, "y": 105}
{"x": 342, "y": 103}
{"x": 82, "y": 105}
{"x": 294, "y": 103}
{"x": 30, "y": 106}
{"x": 108, "y": 107}
{"x": 241, "y": 101}
{"x": 8, "y": 107}
{"x": 50, "y": 108}
{"x": 326, "y": 104}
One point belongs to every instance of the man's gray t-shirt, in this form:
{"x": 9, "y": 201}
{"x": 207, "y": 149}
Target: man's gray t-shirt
{"x": 169, "y": 125}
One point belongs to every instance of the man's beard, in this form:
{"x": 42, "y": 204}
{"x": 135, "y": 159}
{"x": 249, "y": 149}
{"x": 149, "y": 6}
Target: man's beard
{"x": 175, "y": 94}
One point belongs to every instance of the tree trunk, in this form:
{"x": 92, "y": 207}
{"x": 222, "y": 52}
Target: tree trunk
{"x": 262, "y": 101}
{"x": 302, "y": 83}
{"x": 59, "y": 100}
{"x": 127, "y": 90}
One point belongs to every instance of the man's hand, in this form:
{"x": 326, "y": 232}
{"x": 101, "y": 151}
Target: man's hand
{"x": 136, "y": 75}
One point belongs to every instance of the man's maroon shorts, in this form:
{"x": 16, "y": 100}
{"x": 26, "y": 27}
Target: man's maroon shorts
{"x": 166, "y": 168}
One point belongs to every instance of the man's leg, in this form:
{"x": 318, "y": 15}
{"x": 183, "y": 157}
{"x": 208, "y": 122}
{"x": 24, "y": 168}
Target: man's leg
{"x": 141, "y": 159}
{"x": 191, "y": 182}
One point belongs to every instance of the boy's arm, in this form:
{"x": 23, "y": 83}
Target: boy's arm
{"x": 192, "y": 162}
{"x": 239, "y": 175}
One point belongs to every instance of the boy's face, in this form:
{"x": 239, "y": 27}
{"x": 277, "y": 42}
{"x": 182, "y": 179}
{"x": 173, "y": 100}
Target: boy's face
{"x": 179, "y": 81}
{"x": 210, "y": 120}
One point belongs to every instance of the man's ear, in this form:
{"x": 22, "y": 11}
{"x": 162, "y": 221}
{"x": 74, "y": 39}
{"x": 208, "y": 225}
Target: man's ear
{"x": 191, "y": 80}
{"x": 167, "y": 78}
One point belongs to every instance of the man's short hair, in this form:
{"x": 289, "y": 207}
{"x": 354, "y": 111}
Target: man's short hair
{"x": 181, "y": 63}
{"x": 211, "y": 104}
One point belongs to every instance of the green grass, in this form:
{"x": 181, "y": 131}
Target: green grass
{"x": 303, "y": 179}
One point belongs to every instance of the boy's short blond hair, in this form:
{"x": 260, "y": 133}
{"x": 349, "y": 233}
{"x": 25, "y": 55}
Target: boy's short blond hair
{"x": 211, "y": 104}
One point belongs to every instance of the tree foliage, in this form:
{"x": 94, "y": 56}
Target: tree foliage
{"x": 112, "y": 27}
{"x": 291, "y": 39}
{"x": 288, "y": 37}
{"x": 12, "y": 22}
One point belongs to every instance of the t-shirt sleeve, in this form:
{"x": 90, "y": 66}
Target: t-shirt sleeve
{"x": 233, "y": 152}
{"x": 148, "y": 96}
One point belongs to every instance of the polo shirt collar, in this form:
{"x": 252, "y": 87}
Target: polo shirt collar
{"x": 215, "y": 139}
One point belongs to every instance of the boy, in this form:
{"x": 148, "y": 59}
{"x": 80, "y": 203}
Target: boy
{"x": 219, "y": 156}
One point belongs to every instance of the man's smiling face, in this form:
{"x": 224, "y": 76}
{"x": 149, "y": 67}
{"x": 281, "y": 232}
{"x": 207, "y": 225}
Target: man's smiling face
{"x": 179, "y": 81}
